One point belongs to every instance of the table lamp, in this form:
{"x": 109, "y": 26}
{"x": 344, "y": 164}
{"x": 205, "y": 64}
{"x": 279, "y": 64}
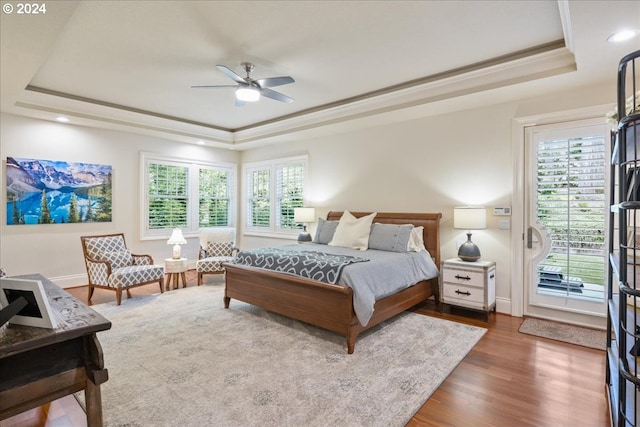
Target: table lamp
{"x": 176, "y": 240}
{"x": 469, "y": 218}
{"x": 304, "y": 216}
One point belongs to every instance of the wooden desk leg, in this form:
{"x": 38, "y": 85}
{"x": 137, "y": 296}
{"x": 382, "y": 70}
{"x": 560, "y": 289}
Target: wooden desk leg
{"x": 96, "y": 375}
{"x": 184, "y": 279}
{"x": 176, "y": 284}
{"x": 93, "y": 397}
{"x": 167, "y": 282}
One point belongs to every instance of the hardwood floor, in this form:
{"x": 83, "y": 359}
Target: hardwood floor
{"x": 508, "y": 379}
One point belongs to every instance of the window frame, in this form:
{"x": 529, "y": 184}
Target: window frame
{"x": 193, "y": 193}
{"x": 274, "y": 229}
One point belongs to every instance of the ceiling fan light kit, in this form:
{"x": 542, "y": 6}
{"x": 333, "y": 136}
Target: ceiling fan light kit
{"x": 247, "y": 94}
{"x": 250, "y": 90}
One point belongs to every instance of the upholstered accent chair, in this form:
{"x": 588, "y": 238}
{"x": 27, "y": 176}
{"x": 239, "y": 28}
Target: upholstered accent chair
{"x": 217, "y": 246}
{"x": 110, "y": 265}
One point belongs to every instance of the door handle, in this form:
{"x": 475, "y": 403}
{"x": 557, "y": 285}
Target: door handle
{"x": 530, "y": 237}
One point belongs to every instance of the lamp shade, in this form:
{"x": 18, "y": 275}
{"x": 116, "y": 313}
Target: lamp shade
{"x": 176, "y": 238}
{"x": 470, "y": 217}
{"x": 304, "y": 215}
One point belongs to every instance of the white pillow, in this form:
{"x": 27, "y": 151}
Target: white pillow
{"x": 416, "y": 243}
{"x": 353, "y": 232}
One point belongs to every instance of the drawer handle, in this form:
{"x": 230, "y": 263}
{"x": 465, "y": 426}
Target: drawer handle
{"x": 459, "y": 277}
{"x": 459, "y": 292}
{"x": 492, "y": 276}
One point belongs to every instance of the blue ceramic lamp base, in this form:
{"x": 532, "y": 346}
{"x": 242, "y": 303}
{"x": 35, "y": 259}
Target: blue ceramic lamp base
{"x": 468, "y": 251}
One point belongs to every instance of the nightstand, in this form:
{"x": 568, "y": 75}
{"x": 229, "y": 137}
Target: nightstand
{"x": 469, "y": 284}
{"x": 175, "y": 268}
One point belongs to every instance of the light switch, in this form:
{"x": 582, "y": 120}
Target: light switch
{"x": 504, "y": 224}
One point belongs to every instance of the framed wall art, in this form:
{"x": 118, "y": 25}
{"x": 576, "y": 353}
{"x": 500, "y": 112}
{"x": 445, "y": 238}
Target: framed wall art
{"x": 57, "y": 192}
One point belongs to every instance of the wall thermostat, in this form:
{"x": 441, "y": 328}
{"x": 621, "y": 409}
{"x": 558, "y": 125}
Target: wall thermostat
{"x": 504, "y": 211}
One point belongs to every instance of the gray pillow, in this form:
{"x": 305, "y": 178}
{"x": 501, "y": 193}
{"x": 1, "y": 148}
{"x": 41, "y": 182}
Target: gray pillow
{"x": 390, "y": 237}
{"x": 325, "y": 231}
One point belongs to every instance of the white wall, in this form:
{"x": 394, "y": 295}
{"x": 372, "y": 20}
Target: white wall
{"x": 54, "y": 250}
{"x": 426, "y": 165}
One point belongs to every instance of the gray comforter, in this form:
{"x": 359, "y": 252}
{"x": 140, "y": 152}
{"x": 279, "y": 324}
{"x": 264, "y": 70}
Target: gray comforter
{"x": 384, "y": 274}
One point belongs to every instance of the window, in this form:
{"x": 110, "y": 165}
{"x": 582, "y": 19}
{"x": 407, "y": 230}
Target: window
{"x": 273, "y": 190}
{"x": 185, "y": 194}
{"x": 214, "y": 197}
{"x": 168, "y": 198}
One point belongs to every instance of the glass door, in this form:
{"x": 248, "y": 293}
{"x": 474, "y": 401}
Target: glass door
{"x": 565, "y": 218}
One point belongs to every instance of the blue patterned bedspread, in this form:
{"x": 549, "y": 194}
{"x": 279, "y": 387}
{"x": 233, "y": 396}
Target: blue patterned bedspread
{"x": 320, "y": 266}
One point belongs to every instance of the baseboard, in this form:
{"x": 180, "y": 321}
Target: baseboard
{"x": 70, "y": 281}
{"x": 503, "y": 305}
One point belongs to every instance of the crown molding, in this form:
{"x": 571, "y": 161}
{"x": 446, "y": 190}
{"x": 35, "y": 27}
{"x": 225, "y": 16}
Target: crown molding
{"x": 540, "y": 62}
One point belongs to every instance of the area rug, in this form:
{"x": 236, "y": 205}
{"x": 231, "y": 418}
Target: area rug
{"x": 572, "y": 334}
{"x": 181, "y": 359}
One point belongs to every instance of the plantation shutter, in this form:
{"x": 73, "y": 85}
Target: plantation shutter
{"x": 572, "y": 205}
{"x": 259, "y": 184}
{"x": 214, "y": 197}
{"x": 290, "y": 190}
{"x": 168, "y": 195}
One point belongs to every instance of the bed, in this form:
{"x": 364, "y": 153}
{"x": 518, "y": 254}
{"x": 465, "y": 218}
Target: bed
{"x": 331, "y": 306}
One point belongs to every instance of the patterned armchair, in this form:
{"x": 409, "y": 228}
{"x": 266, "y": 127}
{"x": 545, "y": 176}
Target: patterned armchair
{"x": 110, "y": 265}
{"x": 217, "y": 246}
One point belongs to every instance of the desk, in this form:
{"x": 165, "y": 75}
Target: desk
{"x": 39, "y": 365}
{"x": 175, "y": 268}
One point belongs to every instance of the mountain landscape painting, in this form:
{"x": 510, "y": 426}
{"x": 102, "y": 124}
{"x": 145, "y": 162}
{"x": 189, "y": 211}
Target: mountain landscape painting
{"x": 57, "y": 192}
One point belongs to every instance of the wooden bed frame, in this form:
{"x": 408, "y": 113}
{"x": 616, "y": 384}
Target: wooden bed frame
{"x": 331, "y": 306}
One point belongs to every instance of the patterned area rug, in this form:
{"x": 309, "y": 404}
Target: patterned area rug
{"x": 572, "y": 334}
{"x": 180, "y": 358}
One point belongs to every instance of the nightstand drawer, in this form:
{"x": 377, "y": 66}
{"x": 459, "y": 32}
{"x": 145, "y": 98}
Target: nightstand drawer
{"x": 462, "y": 277}
{"x": 463, "y": 295}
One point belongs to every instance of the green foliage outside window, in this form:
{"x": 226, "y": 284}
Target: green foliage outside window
{"x": 290, "y": 194}
{"x": 214, "y": 198}
{"x": 571, "y": 205}
{"x": 259, "y": 203}
{"x": 168, "y": 196}
{"x": 275, "y": 211}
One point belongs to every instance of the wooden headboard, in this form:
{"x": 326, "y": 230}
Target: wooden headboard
{"x": 430, "y": 222}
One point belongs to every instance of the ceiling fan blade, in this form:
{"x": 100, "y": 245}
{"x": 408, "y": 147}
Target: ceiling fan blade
{"x": 233, "y": 76}
{"x": 275, "y": 81}
{"x": 275, "y": 95}
{"x": 213, "y": 87}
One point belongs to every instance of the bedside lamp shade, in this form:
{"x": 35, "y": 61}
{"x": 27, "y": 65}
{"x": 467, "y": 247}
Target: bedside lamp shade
{"x": 304, "y": 216}
{"x": 176, "y": 240}
{"x": 469, "y": 218}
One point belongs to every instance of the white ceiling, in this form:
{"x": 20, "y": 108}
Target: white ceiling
{"x": 131, "y": 64}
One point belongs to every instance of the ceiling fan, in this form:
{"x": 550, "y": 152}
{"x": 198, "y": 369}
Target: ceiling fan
{"x": 250, "y": 90}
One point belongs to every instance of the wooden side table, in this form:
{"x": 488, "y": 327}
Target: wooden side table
{"x": 174, "y": 269}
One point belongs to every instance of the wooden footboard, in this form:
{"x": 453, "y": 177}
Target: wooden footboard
{"x": 331, "y": 306}
{"x": 320, "y": 304}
